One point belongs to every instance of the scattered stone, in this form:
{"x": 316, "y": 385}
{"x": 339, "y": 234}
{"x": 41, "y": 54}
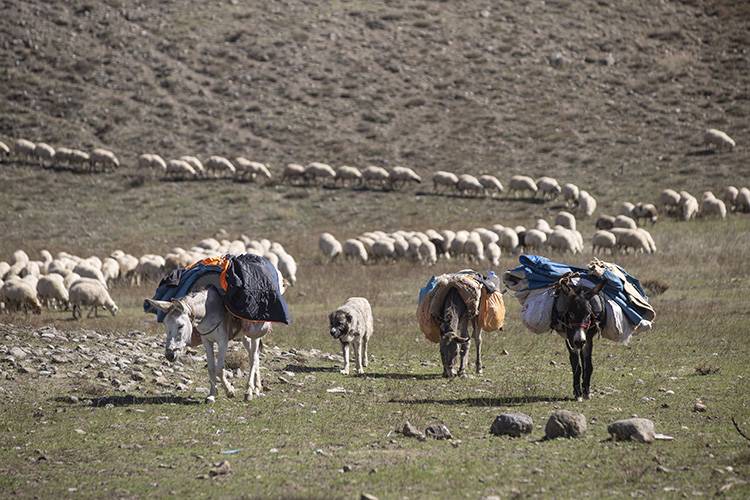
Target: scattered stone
{"x": 367, "y": 496}
{"x": 699, "y": 406}
{"x": 410, "y": 430}
{"x": 512, "y": 424}
{"x": 504, "y": 353}
{"x": 70, "y": 399}
{"x": 17, "y": 353}
{"x": 634, "y": 429}
{"x": 347, "y": 468}
{"x": 564, "y": 423}
{"x": 220, "y": 469}
{"x": 556, "y": 59}
{"x": 438, "y": 431}
{"x": 80, "y": 431}
{"x": 138, "y": 376}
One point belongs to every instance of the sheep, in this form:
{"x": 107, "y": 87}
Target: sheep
{"x": 63, "y": 157}
{"x": 412, "y": 248}
{"x": 716, "y": 139}
{"x": 17, "y": 294}
{"x": 586, "y": 204}
{"x": 469, "y": 184}
{"x": 564, "y": 240}
{"x": 218, "y": 166}
{"x": 448, "y": 237}
{"x": 4, "y": 268}
{"x": 319, "y": 171}
{"x": 104, "y": 159}
{"x": 570, "y": 194}
{"x": 211, "y": 244}
{"x": 150, "y": 268}
{"x": 250, "y": 170}
{"x": 348, "y": 175}
{"x": 743, "y": 200}
{"x": 51, "y": 291}
{"x": 24, "y": 150}
{"x": 85, "y": 293}
{"x": 273, "y": 258}
{"x": 625, "y": 222}
{"x": 491, "y": 185}
{"x": 507, "y": 239}
{"x": 428, "y": 252}
{"x": 110, "y": 270}
{"x": 521, "y": 184}
{"x": 44, "y": 154}
{"x": 293, "y": 173}
{"x": 603, "y": 240}
{"x": 86, "y": 270}
{"x": 458, "y": 242}
{"x": 399, "y": 176}
{"x": 329, "y": 246}
{"x": 713, "y": 206}
{"x": 605, "y": 222}
{"x": 565, "y": 219}
{"x": 180, "y": 170}
{"x": 625, "y": 208}
{"x": 383, "y": 249}
{"x": 669, "y": 201}
{"x": 688, "y": 206}
{"x": 534, "y": 239}
{"x": 729, "y": 195}
{"x": 493, "y": 253}
{"x": 649, "y": 239}
{"x": 355, "y": 249}
{"x": 197, "y": 165}
{"x": 400, "y": 245}
{"x": 635, "y": 239}
{"x": 4, "y": 150}
{"x": 543, "y": 226}
{"x": 69, "y": 279}
{"x": 79, "y": 160}
{"x": 645, "y": 211}
{"x": 444, "y": 179}
{"x": 373, "y": 176}
{"x": 549, "y": 187}
{"x": 473, "y": 248}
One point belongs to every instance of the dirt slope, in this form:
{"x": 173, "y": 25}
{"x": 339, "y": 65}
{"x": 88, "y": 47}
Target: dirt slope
{"x": 563, "y": 87}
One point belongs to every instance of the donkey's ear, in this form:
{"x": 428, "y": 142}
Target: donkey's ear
{"x": 159, "y": 305}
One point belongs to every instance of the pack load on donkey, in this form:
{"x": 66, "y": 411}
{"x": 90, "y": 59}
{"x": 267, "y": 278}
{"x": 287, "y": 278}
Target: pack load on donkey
{"x": 250, "y": 287}
{"x": 478, "y": 292}
{"x": 624, "y": 305}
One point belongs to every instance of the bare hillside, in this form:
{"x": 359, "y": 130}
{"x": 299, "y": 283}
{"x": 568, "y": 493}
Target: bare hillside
{"x": 567, "y": 87}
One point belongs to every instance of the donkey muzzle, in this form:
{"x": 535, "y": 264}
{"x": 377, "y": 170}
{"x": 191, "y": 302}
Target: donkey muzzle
{"x": 171, "y": 354}
{"x": 579, "y": 338}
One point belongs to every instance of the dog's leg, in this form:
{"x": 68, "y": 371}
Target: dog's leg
{"x": 211, "y": 371}
{"x": 365, "y": 357}
{"x": 223, "y": 344}
{"x": 358, "y": 349}
{"x": 249, "y": 387}
{"x": 478, "y": 339}
{"x": 345, "y": 353}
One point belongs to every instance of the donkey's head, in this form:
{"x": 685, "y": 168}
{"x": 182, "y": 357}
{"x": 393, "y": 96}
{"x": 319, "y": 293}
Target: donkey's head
{"x": 577, "y": 312}
{"x": 179, "y": 322}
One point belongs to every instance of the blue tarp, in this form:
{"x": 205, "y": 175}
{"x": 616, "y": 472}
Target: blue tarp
{"x": 541, "y": 272}
{"x": 177, "y": 284}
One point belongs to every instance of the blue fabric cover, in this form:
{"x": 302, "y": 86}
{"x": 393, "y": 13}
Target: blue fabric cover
{"x": 177, "y": 284}
{"x": 542, "y": 272}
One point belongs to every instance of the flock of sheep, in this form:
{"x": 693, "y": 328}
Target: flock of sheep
{"x": 67, "y": 281}
{"x": 45, "y": 156}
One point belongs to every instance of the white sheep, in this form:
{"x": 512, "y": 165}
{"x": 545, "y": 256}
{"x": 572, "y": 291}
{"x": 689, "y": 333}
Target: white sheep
{"x": 713, "y": 206}
{"x": 743, "y": 200}
{"x": 565, "y": 219}
{"x": 44, "y": 154}
{"x": 507, "y": 239}
{"x": 468, "y": 184}
{"x": 294, "y": 173}
{"x": 493, "y": 253}
{"x": 491, "y": 184}
{"x": 625, "y": 222}
{"x": 729, "y": 195}
{"x": 355, "y": 249}
{"x": 549, "y": 187}
{"x": 605, "y": 222}
{"x": 250, "y": 170}
{"x": 180, "y": 170}
{"x": 645, "y": 211}
{"x": 625, "y": 208}
{"x": 520, "y": 184}
{"x": 87, "y": 270}
{"x": 689, "y": 206}
{"x": 428, "y": 252}
{"x": 316, "y": 171}
{"x": 570, "y": 194}
{"x": 383, "y": 249}
{"x": 218, "y": 166}
{"x": 51, "y": 291}
{"x": 376, "y": 176}
{"x": 24, "y": 150}
{"x": 564, "y": 240}
{"x": 534, "y": 239}
{"x": 90, "y": 293}
{"x": 4, "y": 150}
{"x": 329, "y": 246}
{"x": 194, "y": 162}
{"x": 473, "y": 248}
{"x": 150, "y": 268}
{"x": 80, "y": 161}
{"x": 634, "y": 239}
{"x": 714, "y": 138}
{"x": 586, "y": 204}
{"x": 458, "y": 242}
{"x": 603, "y": 240}
{"x": 103, "y": 159}
{"x": 18, "y": 294}
{"x": 399, "y": 176}
{"x": 442, "y": 179}
{"x": 543, "y": 226}
{"x": 669, "y": 201}
{"x": 348, "y": 176}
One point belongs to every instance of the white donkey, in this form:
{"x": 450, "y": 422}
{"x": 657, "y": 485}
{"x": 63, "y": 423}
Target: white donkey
{"x": 204, "y": 312}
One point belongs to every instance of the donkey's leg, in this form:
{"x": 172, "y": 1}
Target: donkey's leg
{"x": 249, "y": 387}
{"x": 478, "y": 339}
{"x": 588, "y": 367}
{"x": 220, "y": 356}
{"x": 256, "y": 366}
{"x": 575, "y": 364}
{"x": 345, "y": 353}
{"x": 463, "y": 328}
{"x": 209, "y": 346}
{"x": 358, "y": 350}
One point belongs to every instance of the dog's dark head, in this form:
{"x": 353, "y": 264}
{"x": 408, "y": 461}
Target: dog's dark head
{"x": 340, "y": 325}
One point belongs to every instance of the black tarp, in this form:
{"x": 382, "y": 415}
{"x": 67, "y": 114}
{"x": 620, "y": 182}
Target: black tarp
{"x": 253, "y": 291}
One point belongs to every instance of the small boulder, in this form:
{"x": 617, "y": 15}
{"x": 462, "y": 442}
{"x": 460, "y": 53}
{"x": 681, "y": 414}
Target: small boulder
{"x": 438, "y": 431}
{"x": 220, "y": 469}
{"x": 699, "y": 406}
{"x": 564, "y": 423}
{"x": 512, "y": 424}
{"x": 634, "y": 429}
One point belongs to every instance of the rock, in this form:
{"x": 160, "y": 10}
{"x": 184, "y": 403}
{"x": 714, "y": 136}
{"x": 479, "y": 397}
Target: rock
{"x": 70, "y": 399}
{"x": 367, "y": 496}
{"x": 699, "y": 406}
{"x": 634, "y": 429}
{"x": 512, "y": 424}
{"x": 410, "y": 430}
{"x": 505, "y": 352}
{"x": 556, "y": 59}
{"x": 347, "y": 468}
{"x": 17, "y": 353}
{"x": 438, "y": 431}
{"x": 220, "y": 469}
{"x": 138, "y": 376}
{"x": 564, "y": 423}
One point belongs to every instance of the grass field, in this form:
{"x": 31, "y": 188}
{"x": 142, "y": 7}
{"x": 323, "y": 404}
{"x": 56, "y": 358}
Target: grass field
{"x": 297, "y": 440}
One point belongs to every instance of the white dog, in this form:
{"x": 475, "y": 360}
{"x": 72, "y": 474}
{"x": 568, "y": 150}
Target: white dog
{"x": 352, "y": 324}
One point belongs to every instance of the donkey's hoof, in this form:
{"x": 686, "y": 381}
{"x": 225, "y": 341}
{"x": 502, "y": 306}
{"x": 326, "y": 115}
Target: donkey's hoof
{"x": 344, "y": 372}
{"x": 480, "y": 370}
{"x": 462, "y": 374}
{"x": 210, "y": 399}
{"x": 360, "y": 371}
{"x": 587, "y": 396}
